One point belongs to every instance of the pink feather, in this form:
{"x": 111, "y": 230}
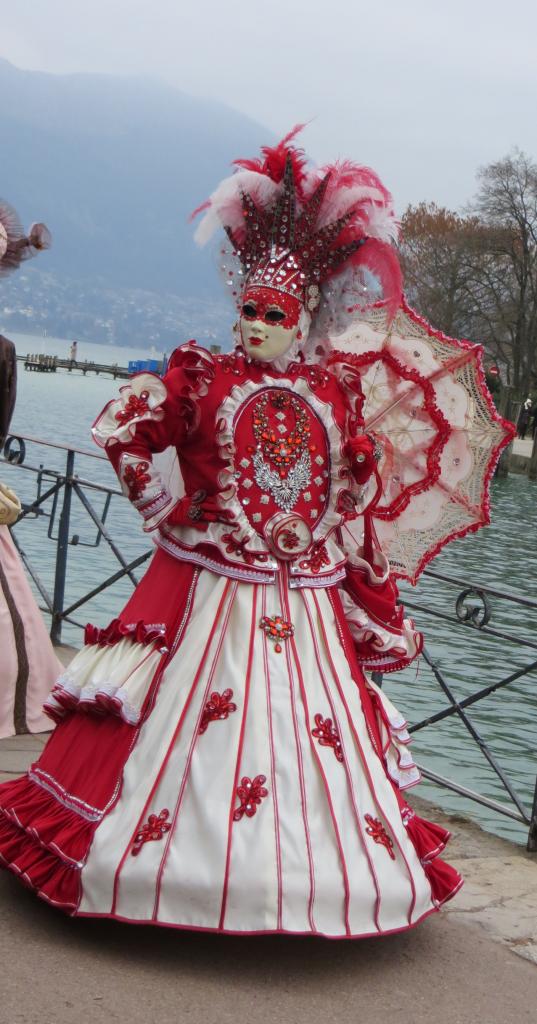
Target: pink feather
{"x": 381, "y": 260}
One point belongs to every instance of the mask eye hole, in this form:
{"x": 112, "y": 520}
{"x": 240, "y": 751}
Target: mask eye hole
{"x": 275, "y": 316}
{"x": 249, "y": 309}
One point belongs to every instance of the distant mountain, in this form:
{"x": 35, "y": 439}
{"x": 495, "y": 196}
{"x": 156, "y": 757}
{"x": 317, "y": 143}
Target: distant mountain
{"x": 114, "y": 166}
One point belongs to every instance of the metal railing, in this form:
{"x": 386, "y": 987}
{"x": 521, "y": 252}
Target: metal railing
{"x": 59, "y": 489}
{"x": 473, "y": 609}
{"x": 473, "y": 606}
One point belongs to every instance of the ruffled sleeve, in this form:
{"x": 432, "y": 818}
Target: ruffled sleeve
{"x": 148, "y": 416}
{"x": 384, "y": 638}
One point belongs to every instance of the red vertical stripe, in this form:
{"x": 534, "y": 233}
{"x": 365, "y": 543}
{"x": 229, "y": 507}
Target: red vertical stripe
{"x": 346, "y": 765}
{"x": 364, "y": 762}
{"x": 253, "y": 627}
{"x": 195, "y": 737}
{"x": 283, "y": 583}
{"x": 272, "y": 766}
{"x": 170, "y": 748}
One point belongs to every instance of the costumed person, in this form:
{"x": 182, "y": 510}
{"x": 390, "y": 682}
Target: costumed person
{"x": 222, "y": 761}
{"x": 29, "y": 664}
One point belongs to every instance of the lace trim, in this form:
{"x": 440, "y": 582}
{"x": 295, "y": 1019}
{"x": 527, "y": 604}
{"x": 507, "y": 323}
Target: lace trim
{"x": 68, "y": 800}
{"x": 225, "y": 418}
{"x": 174, "y": 548}
{"x": 117, "y": 422}
{"x": 398, "y": 505}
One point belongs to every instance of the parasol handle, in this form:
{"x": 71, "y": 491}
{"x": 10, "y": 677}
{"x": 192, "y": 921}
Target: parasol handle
{"x": 368, "y": 521}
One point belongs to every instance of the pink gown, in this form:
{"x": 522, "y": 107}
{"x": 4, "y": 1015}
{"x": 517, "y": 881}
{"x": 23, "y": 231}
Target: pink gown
{"x": 29, "y": 665}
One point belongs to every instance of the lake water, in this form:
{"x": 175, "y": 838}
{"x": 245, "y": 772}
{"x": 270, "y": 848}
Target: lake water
{"x": 61, "y": 407}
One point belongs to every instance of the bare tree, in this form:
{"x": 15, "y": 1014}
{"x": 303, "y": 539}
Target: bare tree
{"x": 437, "y": 252}
{"x": 506, "y": 284}
{"x": 475, "y": 274}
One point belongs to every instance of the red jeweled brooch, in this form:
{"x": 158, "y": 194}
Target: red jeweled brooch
{"x": 276, "y": 629}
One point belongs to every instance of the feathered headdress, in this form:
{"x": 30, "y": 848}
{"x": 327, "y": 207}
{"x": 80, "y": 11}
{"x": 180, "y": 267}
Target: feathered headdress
{"x": 295, "y": 228}
{"x": 15, "y": 245}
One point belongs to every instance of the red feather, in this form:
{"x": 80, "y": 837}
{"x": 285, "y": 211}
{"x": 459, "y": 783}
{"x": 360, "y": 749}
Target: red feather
{"x": 272, "y": 163}
{"x": 381, "y": 260}
{"x": 200, "y": 209}
{"x": 346, "y": 174}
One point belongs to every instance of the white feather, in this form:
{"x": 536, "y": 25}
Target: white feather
{"x": 337, "y": 204}
{"x": 225, "y": 202}
{"x": 381, "y": 222}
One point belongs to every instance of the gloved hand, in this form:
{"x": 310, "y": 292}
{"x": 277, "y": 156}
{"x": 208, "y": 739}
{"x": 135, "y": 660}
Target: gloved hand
{"x": 198, "y": 511}
{"x": 10, "y": 506}
{"x": 360, "y": 451}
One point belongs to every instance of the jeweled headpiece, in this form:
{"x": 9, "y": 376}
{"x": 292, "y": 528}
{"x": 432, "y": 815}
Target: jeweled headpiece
{"x": 15, "y": 245}
{"x": 294, "y": 227}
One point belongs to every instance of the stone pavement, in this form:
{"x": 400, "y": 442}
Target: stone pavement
{"x": 476, "y": 961}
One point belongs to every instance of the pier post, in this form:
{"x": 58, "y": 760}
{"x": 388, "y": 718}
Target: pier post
{"x": 61, "y": 552}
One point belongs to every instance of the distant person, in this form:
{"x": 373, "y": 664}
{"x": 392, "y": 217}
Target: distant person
{"x": 8, "y": 385}
{"x": 524, "y": 419}
{"x": 29, "y": 666}
{"x": 73, "y": 353}
{"x": 534, "y": 422}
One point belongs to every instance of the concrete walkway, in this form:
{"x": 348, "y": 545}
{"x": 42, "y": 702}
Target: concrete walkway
{"x": 521, "y": 452}
{"x": 476, "y": 961}
{"x": 523, "y": 447}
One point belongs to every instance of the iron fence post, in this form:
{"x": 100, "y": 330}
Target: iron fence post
{"x": 506, "y": 410}
{"x": 61, "y": 552}
{"x": 532, "y": 834}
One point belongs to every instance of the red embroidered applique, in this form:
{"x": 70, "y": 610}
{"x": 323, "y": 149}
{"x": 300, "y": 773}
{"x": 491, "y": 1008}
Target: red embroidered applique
{"x": 136, "y": 478}
{"x": 327, "y": 735}
{"x": 135, "y": 406}
{"x": 217, "y": 708}
{"x": 234, "y": 546}
{"x": 378, "y": 833}
{"x": 250, "y": 793}
{"x": 317, "y": 559}
{"x": 233, "y": 363}
{"x": 289, "y": 539}
{"x": 276, "y": 629}
{"x": 317, "y": 378}
{"x": 155, "y": 828}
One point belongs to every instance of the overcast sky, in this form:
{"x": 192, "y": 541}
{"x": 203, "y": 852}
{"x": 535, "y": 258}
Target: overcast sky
{"x": 424, "y": 91}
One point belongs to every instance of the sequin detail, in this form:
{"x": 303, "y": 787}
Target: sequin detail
{"x": 276, "y": 629}
{"x": 318, "y": 555}
{"x": 135, "y": 406}
{"x": 136, "y": 478}
{"x": 378, "y": 833}
{"x": 154, "y": 829}
{"x": 250, "y": 793}
{"x": 217, "y": 709}
{"x": 327, "y": 735}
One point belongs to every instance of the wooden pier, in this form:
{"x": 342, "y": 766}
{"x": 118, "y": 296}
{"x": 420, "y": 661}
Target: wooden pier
{"x": 51, "y": 364}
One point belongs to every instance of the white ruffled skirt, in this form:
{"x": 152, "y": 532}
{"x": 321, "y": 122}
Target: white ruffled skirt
{"x": 254, "y": 799}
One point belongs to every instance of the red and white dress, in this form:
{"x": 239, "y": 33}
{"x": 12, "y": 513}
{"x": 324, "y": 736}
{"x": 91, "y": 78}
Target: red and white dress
{"x": 221, "y": 760}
